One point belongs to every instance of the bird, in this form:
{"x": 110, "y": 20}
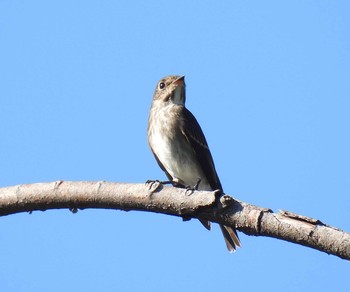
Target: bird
{"x": 180, "y": 147}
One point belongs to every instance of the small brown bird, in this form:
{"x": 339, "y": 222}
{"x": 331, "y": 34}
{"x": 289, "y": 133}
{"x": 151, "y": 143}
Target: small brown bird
{"x": 179, "y": 146}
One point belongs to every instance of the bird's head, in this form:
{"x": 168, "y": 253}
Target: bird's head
{"x": 171, "y": 89}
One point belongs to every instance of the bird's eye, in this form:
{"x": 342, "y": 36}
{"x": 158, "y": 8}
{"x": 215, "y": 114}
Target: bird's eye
{"x": 161, "y": 85}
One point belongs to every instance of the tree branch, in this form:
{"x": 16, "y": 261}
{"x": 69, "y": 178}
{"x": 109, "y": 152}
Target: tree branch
{"x": 250, "y": 219}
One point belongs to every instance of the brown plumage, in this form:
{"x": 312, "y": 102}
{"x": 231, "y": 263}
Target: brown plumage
{"x": 179, "y": 145}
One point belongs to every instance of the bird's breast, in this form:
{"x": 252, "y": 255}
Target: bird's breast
{"x": 172, "y": 148}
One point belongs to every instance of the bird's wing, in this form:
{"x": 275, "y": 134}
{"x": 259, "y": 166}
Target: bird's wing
{"x": 194, "y": 135}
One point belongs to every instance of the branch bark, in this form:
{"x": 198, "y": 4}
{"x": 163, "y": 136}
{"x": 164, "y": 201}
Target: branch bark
{"x": 250, "y": 219}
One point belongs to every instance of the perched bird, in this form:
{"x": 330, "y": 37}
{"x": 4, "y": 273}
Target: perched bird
{"x": 179, "y": 146}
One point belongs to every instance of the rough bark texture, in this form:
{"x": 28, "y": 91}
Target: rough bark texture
{"x": 250, "y": 219}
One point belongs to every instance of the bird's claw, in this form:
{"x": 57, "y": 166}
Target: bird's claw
{"x": 190, "y": 190}
{"x": 151, "y": 181}
{"x": 153, "y": 185}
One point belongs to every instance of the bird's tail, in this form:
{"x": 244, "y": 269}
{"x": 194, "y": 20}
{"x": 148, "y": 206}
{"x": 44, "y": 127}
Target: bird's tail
{"x": 231, "y": 238}
{"x": 230, "y": 235}
{"x": 205, "y": 223}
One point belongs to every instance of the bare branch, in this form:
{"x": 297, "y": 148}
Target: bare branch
{"x": 247, "y": 218}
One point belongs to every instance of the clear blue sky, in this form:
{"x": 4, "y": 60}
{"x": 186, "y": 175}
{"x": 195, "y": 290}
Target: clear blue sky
{"x": 269, "y": 81}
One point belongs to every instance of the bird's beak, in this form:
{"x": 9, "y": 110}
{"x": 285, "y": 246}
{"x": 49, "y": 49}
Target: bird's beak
{"x": 180, "y": 80}
{"x": 179, "y": 96}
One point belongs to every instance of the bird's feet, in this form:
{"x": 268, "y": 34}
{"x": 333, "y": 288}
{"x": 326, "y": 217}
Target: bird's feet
{"x": 190, "y": 190}
{"x": 154, "y": 185}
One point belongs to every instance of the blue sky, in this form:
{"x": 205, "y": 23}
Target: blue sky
{"x": 267, "y": 80}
